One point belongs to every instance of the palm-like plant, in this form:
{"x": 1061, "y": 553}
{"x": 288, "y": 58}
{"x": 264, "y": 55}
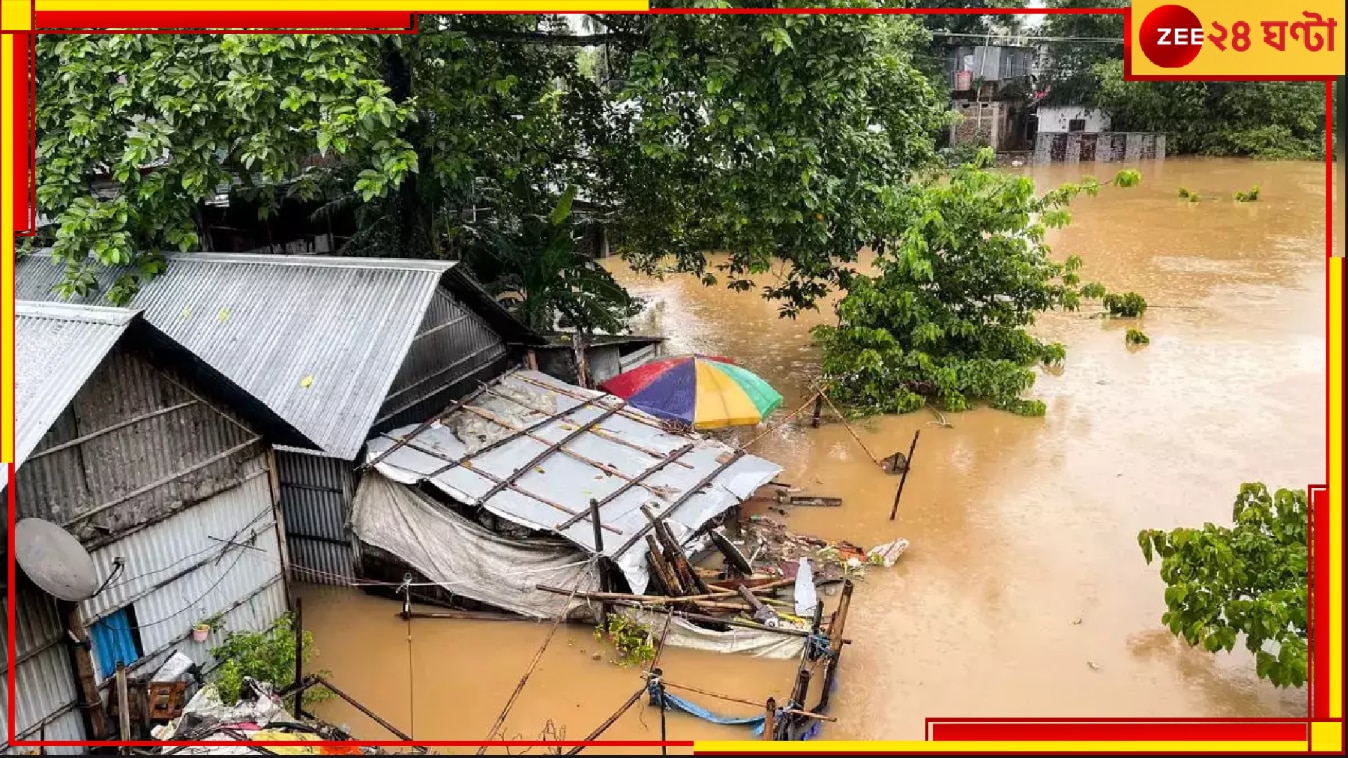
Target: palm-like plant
{"x": 545, "y": 279}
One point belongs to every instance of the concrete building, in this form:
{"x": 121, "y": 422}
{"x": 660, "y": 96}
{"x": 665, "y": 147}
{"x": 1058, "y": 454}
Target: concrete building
{"x": 990, "y": 87}
{"x": 1071, "y": 118}
{"x": 162, "y": 468}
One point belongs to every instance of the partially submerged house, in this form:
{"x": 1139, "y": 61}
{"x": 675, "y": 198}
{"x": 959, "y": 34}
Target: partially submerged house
{"x": 162, "y": 468}
{"x": 1081, "y": 134}
{"x": 990, "y": 86}
{"x": 341, "y": 348}
{"x": 592, "y": 360}
{"x": 496, "y": 495}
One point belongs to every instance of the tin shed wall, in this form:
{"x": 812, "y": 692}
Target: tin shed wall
{"x": 135, "y": 446}
{"x": 140, "y": 466}
{"x": 44, "y": 684}
{"x": 316, "y": 492}
{"x": 454, "y": 350}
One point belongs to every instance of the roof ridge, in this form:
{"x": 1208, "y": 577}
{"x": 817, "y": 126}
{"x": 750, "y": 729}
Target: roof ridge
{"x": 89, "y": 314}
{"x": 314, "y": 261}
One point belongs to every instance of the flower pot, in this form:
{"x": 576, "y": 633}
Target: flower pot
{"x": 200, "y": 632}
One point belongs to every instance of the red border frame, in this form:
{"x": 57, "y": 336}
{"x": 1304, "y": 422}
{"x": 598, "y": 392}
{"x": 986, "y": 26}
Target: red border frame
{"x": 402, "y": 22}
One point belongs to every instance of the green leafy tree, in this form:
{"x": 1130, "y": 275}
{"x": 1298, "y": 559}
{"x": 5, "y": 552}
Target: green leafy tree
{"x": 945, "y": 318}
{"x": 168, "y": 119}
{"x": 775, "y": 139}
{"x": 267, "y": 656}
{"x": 1271, "y": 120}
{"x": 1248, "y": 581}
{"x": 1081, "y": 41}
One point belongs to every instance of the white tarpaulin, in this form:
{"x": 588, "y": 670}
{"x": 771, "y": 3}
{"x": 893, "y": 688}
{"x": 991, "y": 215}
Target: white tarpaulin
{"x": 684, "y": 633}
{"x": 535, "y": 451}
{"x": 465, "y": 558}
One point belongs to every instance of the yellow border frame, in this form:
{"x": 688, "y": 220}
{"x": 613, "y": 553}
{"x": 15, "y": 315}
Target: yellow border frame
{"x": 1326, "y": 736}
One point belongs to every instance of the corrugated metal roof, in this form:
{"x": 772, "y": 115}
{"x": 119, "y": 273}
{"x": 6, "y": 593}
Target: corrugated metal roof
{"x": 317, "y": 339}
{"x": 616, "y": 455}
{"x": 56, "y": 349}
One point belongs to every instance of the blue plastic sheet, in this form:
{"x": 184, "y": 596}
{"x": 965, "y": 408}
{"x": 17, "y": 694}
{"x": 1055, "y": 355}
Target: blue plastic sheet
{"x": 676, "y": 703}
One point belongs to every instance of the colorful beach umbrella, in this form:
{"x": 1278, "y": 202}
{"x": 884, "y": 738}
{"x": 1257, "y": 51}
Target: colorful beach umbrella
{"x": 703, "y": 392}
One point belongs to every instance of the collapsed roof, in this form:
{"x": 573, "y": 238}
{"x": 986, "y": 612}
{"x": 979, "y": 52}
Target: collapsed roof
{"x": 536, "y": 451}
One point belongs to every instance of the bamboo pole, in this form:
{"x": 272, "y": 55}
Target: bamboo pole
{"x": 519, "y": 687}
{"x": 608, "y": 722}
{"x": 788, "y": 631}
{"x": 662, "y": 570}
{"x": 123, "y": 706}
{"x": 908, "y": 466}
{"x": 729, "y": 699}
{"x": 770, "y": 718}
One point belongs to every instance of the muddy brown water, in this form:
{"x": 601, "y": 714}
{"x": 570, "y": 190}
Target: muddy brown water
{"x": 1023, "y": 592}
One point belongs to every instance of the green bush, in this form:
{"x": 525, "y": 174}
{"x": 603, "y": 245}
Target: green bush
{"x": 1125, "y": 305}
{"x": 265, "y": 656}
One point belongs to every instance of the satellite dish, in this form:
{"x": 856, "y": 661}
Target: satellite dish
{"x": 54, "y": 560}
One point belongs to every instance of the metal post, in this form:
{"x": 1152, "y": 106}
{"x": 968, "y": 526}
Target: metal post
{"x": 123, "y": 707}
{"x": 660, "y": 693}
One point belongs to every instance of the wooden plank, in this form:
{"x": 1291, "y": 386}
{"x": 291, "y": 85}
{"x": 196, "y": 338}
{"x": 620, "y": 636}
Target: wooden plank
{"x": 685, "y": 497}
{"x": 639, "y": 480}
{"x": 537, "y": 459}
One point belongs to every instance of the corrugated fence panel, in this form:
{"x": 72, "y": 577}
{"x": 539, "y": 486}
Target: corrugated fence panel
{"x": 168, "y": 613}
{"x": 315, "y": 500}
{"x": 255, "y": 614}
{"x": 156, "y": 554}
{"x": 154, "y": 430}
{"x": 44, "y": 684}
{"x": 322, "y": 562}
{"x": 453, "y": 351}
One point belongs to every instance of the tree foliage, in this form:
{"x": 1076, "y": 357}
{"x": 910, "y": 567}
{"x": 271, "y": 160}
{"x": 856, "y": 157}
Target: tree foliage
{"x": 1270, "y": 120}
{"x": 170, "y": 118}
{"x": 945, "y": 318}
{"x": 538, "y": 271}
{"x": 1081, "y": 41}
{"x": 1246, "y": 581}
{"x": 771, "y": 138}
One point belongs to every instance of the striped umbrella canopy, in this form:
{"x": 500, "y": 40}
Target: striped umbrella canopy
{"x": 699, "y": 391}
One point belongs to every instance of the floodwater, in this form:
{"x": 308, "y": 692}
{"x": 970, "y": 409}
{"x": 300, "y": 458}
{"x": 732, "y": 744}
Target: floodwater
{"x": 1023, "y": 592}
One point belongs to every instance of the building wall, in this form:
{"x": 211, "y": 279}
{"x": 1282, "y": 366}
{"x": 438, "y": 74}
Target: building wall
{"x": 44, "y": 682}
{"x": 1106, "y": 147}
{"x": 143, "y": 469}
{"x": 981, "y": 124}
{"x": 1059, "y": 118}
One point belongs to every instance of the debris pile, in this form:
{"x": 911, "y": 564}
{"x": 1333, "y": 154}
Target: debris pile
{"x": 259, "y": 717}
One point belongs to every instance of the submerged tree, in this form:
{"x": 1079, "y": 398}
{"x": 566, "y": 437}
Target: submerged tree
{"x": 1247, "y": 580}
{"x": 945, "y": 318}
